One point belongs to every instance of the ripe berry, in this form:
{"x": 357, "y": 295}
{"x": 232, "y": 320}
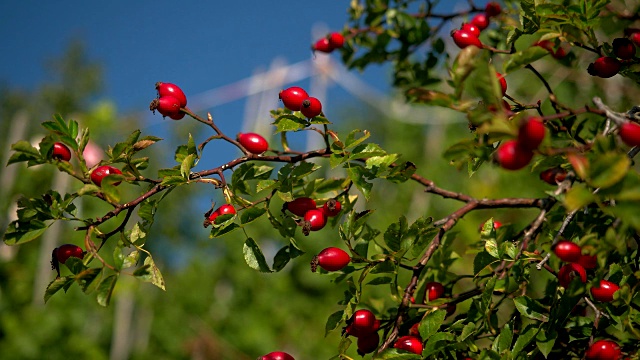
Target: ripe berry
{"x": 569, "y": 271}
{"x": 331, "y": 259}
{"x": 300, "y": 206}
{"x": 409, "y": 343}
{"x": 332, "y": 207}
{"x": 492, "y": 9}
{"x": 222, "y": 210}
{"x": 368, "y": 343}
{"x": 630, "y": 133}
{"x": 568, "y": 251}
{"x": 362, "y": 323}
{"x": 311, "y": 107}
{"x": 166, "y": 106}
{"x": 314, "y": 220}
{"x": 503, "y": 83}
{"x": 451, "y": 308}
{"x": 322, "y": 45}
{"x": 588, "y": 261}
{"x": 292, "y": 97}
{"x": 101, "y": 171}
{"x": 496, "y": 224}
{"x": 603, "y": 350}
{"x": 512, "y": 156}
{"x": 531, "y": 133}
{"x": 635, "y": 38}
{"x": 415, "y": 331}
{"x": 60, "y": 151}
{"x": 553, "y": 176}
{"x": 604, "y": 67}
{"x": 177, "y": 116}
{"x": 168, "y": 89}
{"x": 336, "y": 40}
{"x": 277, "y": 355}
{"x": 623, "y": 48}
{"x": 464, "y": 38}
{"x": 471, "y": 29}
{"x": 604, "y": 293}
{"x": 254, "y": 143}
{"x": 60, "y": 255}
{"x": 481, "y": 21}
{"x": 433, "y": 290}
{"x": 549, "y": 46}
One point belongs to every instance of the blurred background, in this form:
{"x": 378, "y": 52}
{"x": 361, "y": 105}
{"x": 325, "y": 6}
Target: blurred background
{"x": 98, "y": 63}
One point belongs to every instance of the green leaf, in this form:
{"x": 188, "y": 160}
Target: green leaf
{"x": 105, "y": 289}
{"x": 481, "y": 261}
{"x": 173, "y": 180}
{"x": 531, "y": 308}
{"x": 254, "y": 256}
{"x": 289, "y": 123}
{"x": 437, "y": 342}
{"x": 251, "y": 214}
{"x": 524, "y": 58}
{"x": 87, "y": 277}
{"x": 430, "y": 323}
{"x": 396, "y": 354}
{"x": 353, "y": 141}
{"x": 578, "y": 197}
{"x": 383, "y": 280}
{"x": 266, "y": 185}
{"x": 491, "y": 246}
{"x": 503, "y": 341}
{"x": 187, "y": 164}
{"x": 468, "y": 330}
{"x": 149, "y": 272}
{"x": 56, "y": 285}
{"x": 357, "y": 175}
{"x": 25, "y": 147}
{"x": 21, "y": 237}
{"x": 545, "y": 341}
{"x": 131, "y": 259}
{"x": 333, "y": 321}
{"x": 526, "y": 336}
{"x": 88, "y": 189}
{"x": 608, "y": 169}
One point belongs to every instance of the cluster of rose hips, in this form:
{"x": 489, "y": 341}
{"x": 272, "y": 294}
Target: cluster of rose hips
{"x": 296, "y": 98}
{"x": 62, "y": 253}
{"x": 624, "y": 51}
{"x": 469, "y": 33}
{"x": 516, "y": 153}
{"x": 329, "y": 43}
{"x": 313, "y": 217}
{"x": 170, "y": 101}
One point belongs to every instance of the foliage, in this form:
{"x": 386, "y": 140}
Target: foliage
{"x": 510, "y": 304}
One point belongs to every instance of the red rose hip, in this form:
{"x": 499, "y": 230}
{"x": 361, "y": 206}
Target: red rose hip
{"x": 105, "y": 170}
{"x": 61, "y": 254}
{"x": 292, "y": 97}
{"x": 531, "y": 133}
{"x": 311, "y": 107}
{"x": 492, "y": 9}
{"x": 623, "y": 48}
{"x": 568, "y": 251}
{"x": 569, "y": 271}
{"x": 604, "y": 292}
{"x": 368, "y": 343}
{"x": 254, "y": 143}
{"x": 322, "y": 45}
{"x": 331, "y": 259}
{"x": 363, "y": 322}
{"x": 222, "y": 210}
{"x": 314, "y": 220}
{"x": 471, "y": 29}
{"x": 332, "y": 207}
{"x": 481, "y": 21}
{"x": 604, "y": 67}
{"x": 503, "y": 83}
{"x": 464, "y": 38}
{"x": 511, "y": 156}
{"x": 166, "y": 106}
{"x": 433, "y": 290}
{"x": 409, "y": 343}
{"x": 336, "y": 40}
{"x": 169, "y": 89}
{"x": 276, "y": 355}
{"x": 60, "y": 151}
{"x": 300, "y": 206}
{"x": 603, "y": 350}
{"x": 630, "y": 133}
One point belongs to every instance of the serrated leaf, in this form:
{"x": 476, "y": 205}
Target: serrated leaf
{"x": 531, "y": 308}
{"x": 251, "y": 214}
{"x": 131, "y": 259}
{"x": 503, "y": 341}
{"x": 491, "y": 246}
{"x": 357, "y": 175}
{"x": 333, "y": 321}
{"x": 187, "y": 164}
{"x": 105, "y": 290}
{"x": 481, "y": 261}
{"x": 523, "y": 58}
{"x": 578, "y": 197}
{"x": 468, "y": 330}
{"x": 383, "y": 280}
{"x": 56, "y": 285}
{"x": 254, "y": 256}
{"x": 149, "y": 272}
{"x": 87, "y": 277}
{"x": 266, "y": 185}
{"x": 436, "y": 342}
{"x": 173, "y": 180}
{"x": 524, "y": 339}
{"x": 353, "y": 141}
{"x": 430, "y": 323}
{"x": 88, "y": 189}
{"x": 608, "y": 169}
{"x": 396, "y": 354}
{"x": 289, "y": 123}
{"x": 25, "y": 147}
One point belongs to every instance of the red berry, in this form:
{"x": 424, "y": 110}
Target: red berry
{"x": 168, "y": 89}
{"x": 277, "y": 355}
{"x": 177, "y": 116}
{"x": 492, "y": 9}
{"x": 553, "y": 176}
{"x": 623, "y": 48}
{"x": 362, "y": 323}
{"x": 471, "y": 29}
{"x": 635, "y": 38}
{"x": 568, "y": 251}
{"x": 569, "y": 271}
{"x": 464, "y": 38}
{"x": 311, "y": 107}
{"x": 415, "y": 331}
{"x": 433, "y": 290}
{"x": 550, "y": 47}
{"x": 331, "y": 259}
{"x": 512, "y": 156}
{"x": 604, "y": 293}
{"x": 588, "y": 261}
{"x": 604, "y": 67}
{"x": 292, "y": 97}
{"x": 332, "y": 207}
{"x": 254, "y": 143}
{"x": 322, "y": 45}
{"x": 368, "y": 343}
{"x": 300, "y": 206}
{"x": 503, "y": 83}
{"x": 64, "y": 252}
{"x": 481, "y": 21}
{"x": 314, "y": 220}
{"x": 166, "y": 106}
{"x": 451, "y": 309}
{"x": 496, "y": 224}
{"x": 630, "y": 133}
{"x": 101, "y": 171}
{"x": 409, "y": 343}
{"x": 531, "y": 133}
{"x": 336, "y": 40}
{"x": 222, "y": 210}
{"x": 603, "y": 350}
{"x": 60, "y": 151}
